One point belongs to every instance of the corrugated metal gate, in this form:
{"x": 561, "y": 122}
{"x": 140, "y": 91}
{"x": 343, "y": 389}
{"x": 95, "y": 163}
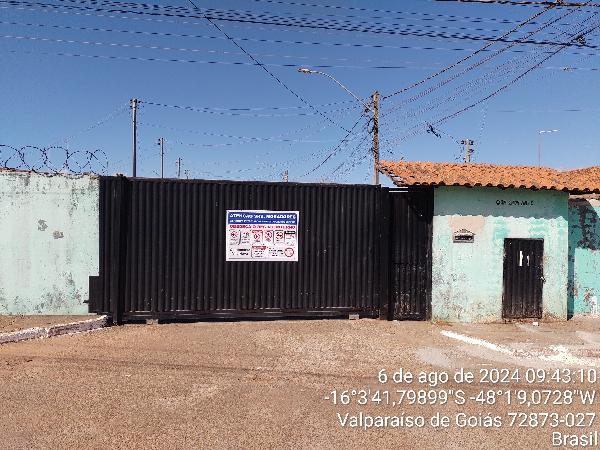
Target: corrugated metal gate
{"x": 162, "y": 252}
{"x": 410, "y": 259}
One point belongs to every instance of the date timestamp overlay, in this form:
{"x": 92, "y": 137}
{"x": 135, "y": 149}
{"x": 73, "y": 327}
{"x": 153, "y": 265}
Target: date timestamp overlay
{"x": 561, "y": 403}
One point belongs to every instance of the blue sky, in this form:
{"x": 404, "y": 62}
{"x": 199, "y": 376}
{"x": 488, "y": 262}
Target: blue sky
{"x": 243, "y": 124}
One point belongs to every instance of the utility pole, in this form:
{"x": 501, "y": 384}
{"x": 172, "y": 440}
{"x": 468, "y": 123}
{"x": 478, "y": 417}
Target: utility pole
{"x": 134, "y": 104}
{"x": 286, "y": 176}
{"x": 376, "y": 137}
{"x": 178, "y": 167}
{"x": 468, "y": 150}
{"x": 161, "y": 142}
{"x": 373, "y": 106}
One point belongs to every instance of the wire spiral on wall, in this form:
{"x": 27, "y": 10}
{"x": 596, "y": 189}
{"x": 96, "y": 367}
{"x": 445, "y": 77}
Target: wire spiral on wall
{"x": 53, "y": 160}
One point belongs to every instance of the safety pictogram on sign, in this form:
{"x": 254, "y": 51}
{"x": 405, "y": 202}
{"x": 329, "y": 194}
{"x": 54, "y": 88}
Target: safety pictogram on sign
{"x": 261, "y": 235}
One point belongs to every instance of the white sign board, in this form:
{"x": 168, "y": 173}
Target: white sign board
{"x": 261, "y": 235}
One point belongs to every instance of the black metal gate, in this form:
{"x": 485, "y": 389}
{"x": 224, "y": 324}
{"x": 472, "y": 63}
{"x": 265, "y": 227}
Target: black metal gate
{"x": 523, "y": 278}
{"x": 410, "y": 259}
{"x": 162, "y": 251}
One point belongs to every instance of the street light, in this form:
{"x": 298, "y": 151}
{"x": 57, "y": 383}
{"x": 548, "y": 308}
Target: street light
{"x": 540, "y": 133}
{"x": 373, "y": 107}
{"x": 307, "y": 71}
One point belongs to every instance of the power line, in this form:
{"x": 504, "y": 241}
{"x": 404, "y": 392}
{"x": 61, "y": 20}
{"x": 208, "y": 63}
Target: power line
{"x": 335, "y": 44}
{"x": 386, "y": 12}
{"x": 233, "y": 111}
{"x": 271, "y": 74}
{"x": 191, "y": 61}
{"x": 336, "y": 148}
{"x": 500, "y": 89}
{"x": 506, "y": 85}
{"x": 44, "y": 7}
{"x": 268, "y": 41}
{"x": 245, "y": 139}
{"x": 117, "y": 112}
{"x": 460, "y": 61}
{"x": 559, "y": 3}
{"x": 480, "y": 62}
{"x": 154, "y": 47}
{"x": 302, "y": 23}
{"x": 179, "y": 49}
{"x": 468, "y": 90}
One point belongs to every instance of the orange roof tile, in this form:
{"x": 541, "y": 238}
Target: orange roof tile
{"x": 493, "y": 175}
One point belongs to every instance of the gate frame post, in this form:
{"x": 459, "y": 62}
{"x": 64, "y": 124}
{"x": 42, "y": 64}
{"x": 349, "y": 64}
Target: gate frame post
{"x": 384, "y": 207}
{"x": 119, "y": 216}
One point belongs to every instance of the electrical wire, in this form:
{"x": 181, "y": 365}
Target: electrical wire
{"x": 247, "y": 139}
{"x": 501, "y": 88}
{"x": 560, "y": 3}
{"x": 475, "y": 64}
{"x": 334, "y": 151}
{"x": 271, "y": 74}
{"x": 274, "y": 41}
{"x": 233, "y": 111}
{"x": 466, "y": 58}
{"x": 295, "y": 22}
{"x": 117, "y": 112}
{"x": 469, "y": 89}
{"x": 387, "y": 12}
{"x": 160, "y": 34}
{"x": 428, "y": 48}
{"x": 154, "y": 47}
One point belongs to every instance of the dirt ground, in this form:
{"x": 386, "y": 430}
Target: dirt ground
{"x": 262, "y": 385}
{"x": 15, "y": 323}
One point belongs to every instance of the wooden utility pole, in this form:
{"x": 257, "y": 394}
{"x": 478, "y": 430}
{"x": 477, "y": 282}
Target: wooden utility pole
{"x": 178, "y": 167}
{"x": 376, "y": 137}
{"x": 161, "y": 142}
{"x": 134, "y": 104}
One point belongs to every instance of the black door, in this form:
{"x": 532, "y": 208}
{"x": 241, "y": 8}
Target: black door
{"x": 411, "y": 232}
{"x": 523, "y": 278}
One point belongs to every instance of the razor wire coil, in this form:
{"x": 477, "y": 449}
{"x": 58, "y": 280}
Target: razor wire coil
{"x": 53, "y": 160}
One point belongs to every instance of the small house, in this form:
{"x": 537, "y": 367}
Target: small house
{"x": 509, "y": 242}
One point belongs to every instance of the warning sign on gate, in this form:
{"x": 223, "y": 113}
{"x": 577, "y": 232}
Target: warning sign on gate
{"x": 261, "y": 235}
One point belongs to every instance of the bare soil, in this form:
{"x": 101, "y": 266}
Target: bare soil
{"x": 259, "y": 385}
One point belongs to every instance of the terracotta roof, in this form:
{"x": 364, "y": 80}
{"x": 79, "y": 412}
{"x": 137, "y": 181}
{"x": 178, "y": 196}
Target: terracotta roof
{"x": 579, "y": 181}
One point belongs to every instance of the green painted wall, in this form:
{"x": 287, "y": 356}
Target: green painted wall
{"x": 584, "y": 254}
{"x": 467, "y": 277}
{"x": 49, "y": 245}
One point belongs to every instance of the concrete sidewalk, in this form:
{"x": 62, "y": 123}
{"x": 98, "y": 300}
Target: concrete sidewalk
{"x": 56, "y": 329}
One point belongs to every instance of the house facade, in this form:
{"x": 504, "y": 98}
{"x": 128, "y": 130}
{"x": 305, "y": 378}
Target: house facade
{"x": 584, "y": 254}
{"x": 509, "y": 242}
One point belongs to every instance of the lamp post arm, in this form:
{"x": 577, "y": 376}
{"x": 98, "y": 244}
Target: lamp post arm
{"x": 367, "y": 107}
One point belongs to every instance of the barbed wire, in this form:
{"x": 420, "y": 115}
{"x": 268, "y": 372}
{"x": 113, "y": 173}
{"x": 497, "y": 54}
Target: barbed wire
{"x": 53, "y": 160}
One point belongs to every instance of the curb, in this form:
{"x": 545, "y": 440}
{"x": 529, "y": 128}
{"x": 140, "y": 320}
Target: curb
{"x": 54, "y": 330}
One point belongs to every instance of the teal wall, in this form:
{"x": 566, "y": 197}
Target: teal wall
{"x": 584, "y": 254}
{"x": 467, "y": 277}
{"x": 49, "y": 245}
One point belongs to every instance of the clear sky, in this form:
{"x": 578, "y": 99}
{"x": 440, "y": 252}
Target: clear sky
{"x": 70, "y": 67}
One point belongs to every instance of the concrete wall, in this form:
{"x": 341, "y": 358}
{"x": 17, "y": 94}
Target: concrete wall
{"x": 49, "y": 242}
{"x": 584, "y": 254}
{"x": 468, "y": 277}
